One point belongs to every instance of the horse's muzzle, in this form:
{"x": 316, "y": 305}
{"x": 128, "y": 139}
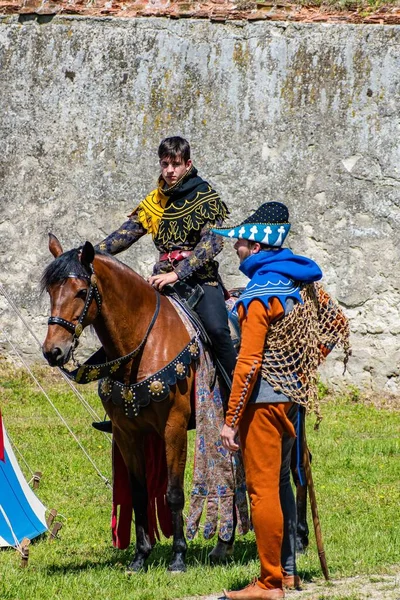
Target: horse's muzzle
{"x": 56, "y": 356}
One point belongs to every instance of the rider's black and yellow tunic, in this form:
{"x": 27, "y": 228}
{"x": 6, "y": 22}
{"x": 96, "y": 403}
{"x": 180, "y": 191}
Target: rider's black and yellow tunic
{"x": 178, "y": 218}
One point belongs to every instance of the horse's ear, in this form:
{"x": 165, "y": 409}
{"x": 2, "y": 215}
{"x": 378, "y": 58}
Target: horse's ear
{"x": 87, "y": 254}
{"x": 54, "y": 246}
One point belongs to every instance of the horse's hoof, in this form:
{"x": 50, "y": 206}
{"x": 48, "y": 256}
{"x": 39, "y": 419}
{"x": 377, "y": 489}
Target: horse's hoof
{"x": 221, "y": 552}
{"x": 136, "y": 566}
{"x": 177, "y": 565}
{"x": 301, "y": 544}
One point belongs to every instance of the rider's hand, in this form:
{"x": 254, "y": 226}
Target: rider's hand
{"x": 158, "y": 281}
{"x": 228, "y": 435}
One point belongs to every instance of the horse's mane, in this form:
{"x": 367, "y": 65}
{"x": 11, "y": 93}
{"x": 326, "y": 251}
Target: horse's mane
{"x": 62, "y": 267}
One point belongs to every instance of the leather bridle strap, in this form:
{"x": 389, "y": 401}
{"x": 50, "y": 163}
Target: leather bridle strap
{"x": 92, "y": 370}
{"x": 93, "y": 292}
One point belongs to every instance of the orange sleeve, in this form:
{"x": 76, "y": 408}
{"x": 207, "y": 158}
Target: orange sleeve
{"x": 254, "y": 327}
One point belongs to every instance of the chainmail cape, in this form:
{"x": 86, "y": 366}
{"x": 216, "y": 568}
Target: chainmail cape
{"x": 297, "y": 344}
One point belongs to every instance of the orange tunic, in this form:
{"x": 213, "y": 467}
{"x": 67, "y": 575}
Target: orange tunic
{"x": 254, "y": 327}
{"x": 261, "y": 428}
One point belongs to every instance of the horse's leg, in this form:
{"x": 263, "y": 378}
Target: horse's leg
{"x": 176, "y": 449}
{"x": 131, "y": 447}
{"x": 139, "y": 503}
{"x": 224, "y": 549}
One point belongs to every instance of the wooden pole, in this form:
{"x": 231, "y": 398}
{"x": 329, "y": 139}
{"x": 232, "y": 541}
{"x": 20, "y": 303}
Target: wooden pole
{"x": 314, "y": 508}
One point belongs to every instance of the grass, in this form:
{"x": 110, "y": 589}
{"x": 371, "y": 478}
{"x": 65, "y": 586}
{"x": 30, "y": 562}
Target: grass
{"x": 356, "y": 462}
{"x": 363, "y": 7}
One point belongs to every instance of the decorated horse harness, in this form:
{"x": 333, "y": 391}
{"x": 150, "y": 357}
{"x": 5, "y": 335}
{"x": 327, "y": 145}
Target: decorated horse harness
{"x": 132, "y": 397}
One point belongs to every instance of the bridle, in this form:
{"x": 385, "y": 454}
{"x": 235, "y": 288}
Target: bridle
{"x": 92, "y": 370}
{"x": 93, "y": 292}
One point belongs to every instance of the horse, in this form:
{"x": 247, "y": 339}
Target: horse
{"x": 93, "y": 288}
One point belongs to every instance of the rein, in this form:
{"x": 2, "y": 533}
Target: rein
{"x": 93, "y": 292}
{"x": 90, "y": 370}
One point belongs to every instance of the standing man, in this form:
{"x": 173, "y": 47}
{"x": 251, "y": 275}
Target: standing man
{"x": 281, "y": 348}
{"x": 179, "y": 215}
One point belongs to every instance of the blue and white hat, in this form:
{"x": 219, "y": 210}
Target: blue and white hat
{"x": 269, "y": 225}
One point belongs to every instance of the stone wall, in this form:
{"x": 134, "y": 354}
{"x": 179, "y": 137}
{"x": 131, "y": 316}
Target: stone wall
{"x": 305, "y": 114}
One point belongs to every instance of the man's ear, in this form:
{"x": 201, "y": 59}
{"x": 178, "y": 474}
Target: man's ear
{"x": 256, "y": 248}
{"x": 189, "y": 164}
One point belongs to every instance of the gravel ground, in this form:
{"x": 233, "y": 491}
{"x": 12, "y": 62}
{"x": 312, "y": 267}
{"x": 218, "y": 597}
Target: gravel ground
{"x": 375, "y": 587}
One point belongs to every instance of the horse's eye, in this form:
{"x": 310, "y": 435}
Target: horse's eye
{"x": 82, "y": 294}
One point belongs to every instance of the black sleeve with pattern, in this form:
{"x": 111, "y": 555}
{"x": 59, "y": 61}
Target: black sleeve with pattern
{"x": 209, "y": 246}
{"x": 123, "y": 237}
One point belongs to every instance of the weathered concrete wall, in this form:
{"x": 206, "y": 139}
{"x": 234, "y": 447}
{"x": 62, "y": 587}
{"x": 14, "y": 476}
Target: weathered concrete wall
{"x": 305, "y": 114}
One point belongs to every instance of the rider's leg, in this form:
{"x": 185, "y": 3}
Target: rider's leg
{"x": 213, "y": 314}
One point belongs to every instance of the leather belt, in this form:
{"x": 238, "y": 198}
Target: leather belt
{"x": 175, "y": 255}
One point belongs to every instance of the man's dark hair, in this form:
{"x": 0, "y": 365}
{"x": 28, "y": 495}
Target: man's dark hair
{"x": 174, "y": 147}
{"x": 252, "y": 243}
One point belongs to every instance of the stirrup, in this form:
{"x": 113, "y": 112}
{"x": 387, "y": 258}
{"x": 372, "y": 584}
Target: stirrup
{"x": 105, "y": 426}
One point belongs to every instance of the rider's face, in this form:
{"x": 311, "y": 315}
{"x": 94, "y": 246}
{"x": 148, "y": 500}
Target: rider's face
{"x": 172, "y": 169}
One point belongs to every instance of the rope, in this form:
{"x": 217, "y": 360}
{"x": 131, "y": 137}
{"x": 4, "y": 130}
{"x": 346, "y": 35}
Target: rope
{"x": 105, "y": 480}
{"x": 20, "y": 455}
{"x": 84, "y": 402}
{"x": 16, "y": 542}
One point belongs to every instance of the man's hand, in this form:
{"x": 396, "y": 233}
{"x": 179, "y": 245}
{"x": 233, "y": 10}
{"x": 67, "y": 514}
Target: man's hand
{"x": 228, "y": 435}
{"x": 158, "y": 281}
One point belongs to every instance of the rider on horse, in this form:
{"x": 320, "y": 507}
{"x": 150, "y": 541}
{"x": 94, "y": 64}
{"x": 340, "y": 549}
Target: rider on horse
{"x": 179, "y": 215}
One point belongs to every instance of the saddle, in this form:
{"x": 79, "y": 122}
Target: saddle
{"x": 188, "y": 297}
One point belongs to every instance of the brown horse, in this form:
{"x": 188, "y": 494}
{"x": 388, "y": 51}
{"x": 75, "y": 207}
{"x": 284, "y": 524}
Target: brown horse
{"x": 127, "y": 313}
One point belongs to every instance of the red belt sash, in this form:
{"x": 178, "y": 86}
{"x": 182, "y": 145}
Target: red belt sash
{"x": 175, "y": 255}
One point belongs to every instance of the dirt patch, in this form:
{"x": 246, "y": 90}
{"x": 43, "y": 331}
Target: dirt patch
{"x": 371, "y": 587}
{"x": 385, "y": 401}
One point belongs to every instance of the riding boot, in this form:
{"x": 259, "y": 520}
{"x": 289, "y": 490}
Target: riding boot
{"x": 105, "y": 426}
{"x": 213, "y": 314}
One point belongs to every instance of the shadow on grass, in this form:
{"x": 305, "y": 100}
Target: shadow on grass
{"x": 197, "y": 556}
{"x": 245, "y": 552}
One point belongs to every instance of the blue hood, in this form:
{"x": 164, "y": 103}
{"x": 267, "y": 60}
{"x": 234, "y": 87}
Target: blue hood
{"x": 283, "y": 262}
{"x": 277, "y": 274}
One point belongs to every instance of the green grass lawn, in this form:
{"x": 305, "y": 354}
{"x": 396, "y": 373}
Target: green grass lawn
{"x": 356, "y": 465}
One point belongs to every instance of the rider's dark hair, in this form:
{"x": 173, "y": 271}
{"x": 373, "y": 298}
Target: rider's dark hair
{"x": 174, "y": 147}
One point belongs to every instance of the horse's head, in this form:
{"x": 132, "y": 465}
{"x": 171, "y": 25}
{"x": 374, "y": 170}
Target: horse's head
{"x": 70, "y": 282}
